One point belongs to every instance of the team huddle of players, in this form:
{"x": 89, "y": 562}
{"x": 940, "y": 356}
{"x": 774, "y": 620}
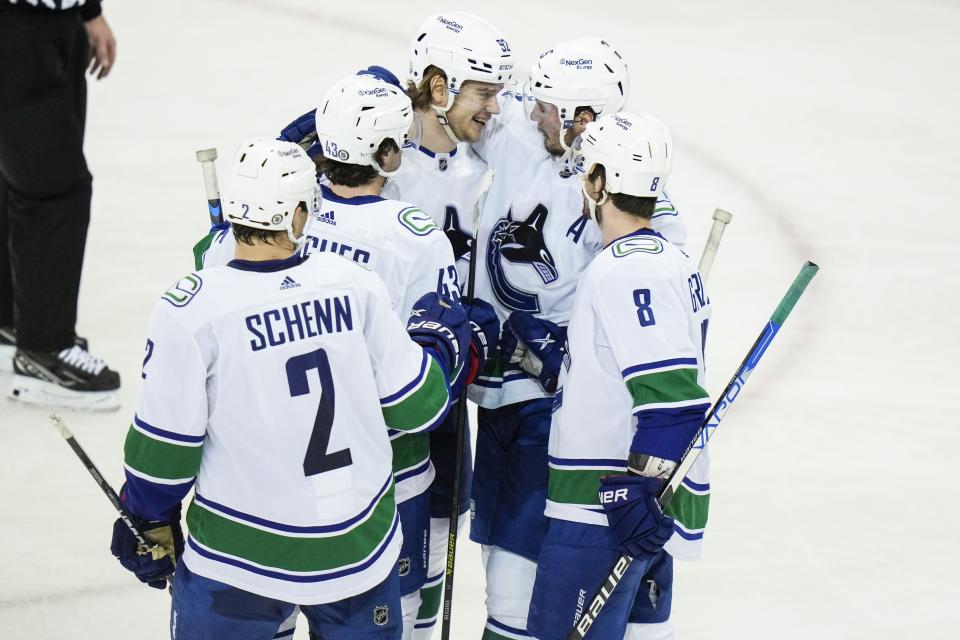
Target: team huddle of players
{"x": 301, "y": 380}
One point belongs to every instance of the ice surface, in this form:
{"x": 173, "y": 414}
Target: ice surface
{"x": 829, "y": 129}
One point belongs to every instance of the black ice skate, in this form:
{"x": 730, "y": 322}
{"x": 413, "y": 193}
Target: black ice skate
{"x": 8, "y": 347}
{"x": 72, "y": 378}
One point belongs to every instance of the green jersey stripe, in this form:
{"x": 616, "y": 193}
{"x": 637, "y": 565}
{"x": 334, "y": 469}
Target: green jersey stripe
{"x": 409, "y": 450}
{"x": 579, "y": 488}
{"x": 689, "y": 509}
{"x": 160, "y": 459}
{"x": 677, "y": 385}
{"x": 421, "y": 408}
{"x": 294, "y": 553}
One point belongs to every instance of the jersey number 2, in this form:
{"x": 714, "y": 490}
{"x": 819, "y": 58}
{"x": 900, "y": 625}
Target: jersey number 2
{"x": 317, "y": 460}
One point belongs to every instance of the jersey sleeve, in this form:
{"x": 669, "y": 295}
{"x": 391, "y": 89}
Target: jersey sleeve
{"x": 214, "y": 249}
{"x": 433, "y": 270}
{"x": 164, "y": 444}
{"x": 414, "y": 395}
{"x": 646, "y": 323}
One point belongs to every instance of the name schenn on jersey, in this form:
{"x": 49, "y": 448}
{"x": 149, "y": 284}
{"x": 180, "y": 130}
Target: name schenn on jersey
{"x": 299, "y": 321}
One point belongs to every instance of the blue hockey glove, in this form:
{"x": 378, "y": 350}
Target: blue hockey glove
{"x": 151, "y": 566}
{"x": 537, "y": 345}
{"x": 486, "y": 333}
{"x": 381, "y": 73}
{"x": 303, "y": 131}
{"x": 635, "y": 518}
{"x": 441, "y": 326}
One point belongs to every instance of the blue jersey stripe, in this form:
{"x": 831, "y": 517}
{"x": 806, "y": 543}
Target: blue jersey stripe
{"x": 163, "y": 433}
{"x": 687, "y": 536}
{"x": 696, "y": 486}
{"x": 414, "y": 472}
{"x": 496, "y": 624}
{"x": 658, "y": 365}
{"x": 393, "y": 397}
{"x": 289, "y": 528}
{"x": 587, "y": 462}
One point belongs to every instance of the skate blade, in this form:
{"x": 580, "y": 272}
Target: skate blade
{"x": 40, "y": 393}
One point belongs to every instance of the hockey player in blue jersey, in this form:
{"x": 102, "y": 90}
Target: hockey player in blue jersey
{"x": 269, "y": 386}
{"x": 630, "y": 398}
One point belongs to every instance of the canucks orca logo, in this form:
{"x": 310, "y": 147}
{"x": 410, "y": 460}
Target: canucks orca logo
{"x": 460, "y": 240}
{"x": 520, "y": 242}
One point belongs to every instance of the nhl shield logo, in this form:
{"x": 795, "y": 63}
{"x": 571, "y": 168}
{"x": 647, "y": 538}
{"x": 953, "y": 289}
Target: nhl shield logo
{"x": 442, "y": 163}
{"x": 404, "y": 566}
{"x": 381, "y": 615}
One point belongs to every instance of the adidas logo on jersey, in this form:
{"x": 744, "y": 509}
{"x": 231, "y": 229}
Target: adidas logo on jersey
{"x": 289, "y": 283}
{"x": 327, "y": 217}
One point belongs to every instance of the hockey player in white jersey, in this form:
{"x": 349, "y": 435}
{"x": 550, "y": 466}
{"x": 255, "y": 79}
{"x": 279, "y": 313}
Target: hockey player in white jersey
{"x": 269, "y": 385}
{"x": 401, "y": 243}
{"x": 535, "y": 242}
{"x": 630, "y": 399}
{"x": 458, "y": 65}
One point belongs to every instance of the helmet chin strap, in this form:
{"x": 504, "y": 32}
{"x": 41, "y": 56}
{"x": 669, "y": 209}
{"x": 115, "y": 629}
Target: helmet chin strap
{"x": 445, "y": 124}
{"x": 383, "y": 172}
{"x": 594, "y": 205}
{"x": 442, "y": 117}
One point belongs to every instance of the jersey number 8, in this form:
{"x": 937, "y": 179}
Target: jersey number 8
{"x": 641, "y": 298}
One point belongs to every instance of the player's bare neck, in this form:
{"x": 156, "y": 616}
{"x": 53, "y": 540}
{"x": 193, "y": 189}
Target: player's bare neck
{"x": 261, "y": 252}
{"x": 372, "y": 188}
{"x": 614, "y": 223}
{"x": 433, "y": 136}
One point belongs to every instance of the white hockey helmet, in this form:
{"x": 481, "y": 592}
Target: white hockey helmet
{"x": 357, "y": 114}
{"x": 636, "y": 152}
{"x": 463, "y": 46}
{"x": 267, "y": 180}
{"x": 586, "y": 72}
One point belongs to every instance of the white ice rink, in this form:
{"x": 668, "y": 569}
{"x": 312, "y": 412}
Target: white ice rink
{"x": 830, "y": 130}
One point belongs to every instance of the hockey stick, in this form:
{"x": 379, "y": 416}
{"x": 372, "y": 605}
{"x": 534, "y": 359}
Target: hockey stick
{"x": 458, "y": 461}
{"x": 721, "y": 219}
{"x": 61, "y": 427}
{"x": 206, "y": 158}
{"x": 717, "y": 413}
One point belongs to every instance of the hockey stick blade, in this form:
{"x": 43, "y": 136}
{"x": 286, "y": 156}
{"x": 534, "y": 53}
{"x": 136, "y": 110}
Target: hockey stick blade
{"x": 719, "y": 410}
{"x": 207, "y": 159}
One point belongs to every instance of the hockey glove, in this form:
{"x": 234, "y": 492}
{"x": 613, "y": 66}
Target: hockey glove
{"x": 154, "y": 565}
{"x": 485, "y": 328}
{"x": 383, "y": 74}
{"x": 303, "y": 131}
{"x": 635, "y": 518}
{"x": 537, "y": 345}
{"x": 442, "y": 328}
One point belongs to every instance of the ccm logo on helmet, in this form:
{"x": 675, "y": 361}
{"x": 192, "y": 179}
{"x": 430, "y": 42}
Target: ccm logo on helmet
{"x": 623, "y": 123}
{"x": 453, "y": 25}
